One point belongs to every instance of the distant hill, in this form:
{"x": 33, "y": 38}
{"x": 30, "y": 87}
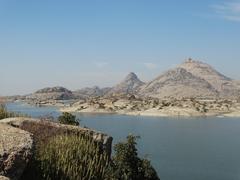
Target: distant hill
{"x": 178, "y": 83}
{"x": 56, "y": 89}
{"x": 53, "y": 93}
{"x": 91, "y": 92}
{"x": 226, "y": 86}
{"x": 191, "y": 79}
{"x": 129, "y": 85}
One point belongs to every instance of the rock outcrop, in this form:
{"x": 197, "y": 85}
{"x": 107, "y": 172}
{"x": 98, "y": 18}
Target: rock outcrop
{"x": 191, "y": 79}
{"x": 51, "y": 93}
{"x": 178, "y": 83}
{"x": 129, "y": 85}
{"x": 91, "y": 92}
{"x": 17, "y": 136}
{"x": 15, "y": 151}
{"x": 226, "y": 86}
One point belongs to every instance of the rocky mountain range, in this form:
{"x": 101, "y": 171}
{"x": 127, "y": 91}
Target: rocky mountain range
{"x": 187, "y": 80}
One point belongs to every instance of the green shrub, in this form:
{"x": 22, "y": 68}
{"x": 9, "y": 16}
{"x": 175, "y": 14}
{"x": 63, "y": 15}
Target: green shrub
{"x": 72, "y": 157}
{"x": 64, "y": 155}
{"x": 68, "y": 118}
{"x": 127, "y": 164}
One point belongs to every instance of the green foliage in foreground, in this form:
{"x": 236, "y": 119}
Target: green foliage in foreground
{"x": 63, "y": 155}
{"x": 127, "y": 164}
{"x": 73, "y": 157}
{"x": 68, "y": 118}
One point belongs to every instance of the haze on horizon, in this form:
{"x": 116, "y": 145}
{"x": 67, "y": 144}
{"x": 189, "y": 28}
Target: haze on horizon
{"x": 85, "y": 43}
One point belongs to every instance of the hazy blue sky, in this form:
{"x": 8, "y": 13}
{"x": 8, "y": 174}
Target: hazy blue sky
{"x": 97, "y": 42}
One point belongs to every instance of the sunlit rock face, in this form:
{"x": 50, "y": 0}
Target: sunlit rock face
{"x": 191, "y": 79}
{"x": 15, "y": 151}
{"x": 129, "y": 85}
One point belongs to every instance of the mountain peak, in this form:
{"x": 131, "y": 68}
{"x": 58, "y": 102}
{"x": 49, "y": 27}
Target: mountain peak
{"x": 131, "y": 75}
{"x": 189, "y": 60}
{"x": 178, "y": 83}
{"x": 129, "y": 85}
{"x": 192, "y": 62}
{"x": 56, "y": 89}
{"x": 223, "y": 84}
{"x": 131, "y": 78}
{"x": 200, "y": 68}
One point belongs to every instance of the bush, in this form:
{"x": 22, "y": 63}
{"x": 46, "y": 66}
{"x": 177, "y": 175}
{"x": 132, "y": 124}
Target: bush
{"x": 65, "y": 155}
{"x": 73, "y": 157}
{"x": 62, "y": 154}
{"x": 68, "y": 118}
{"x": 127, "y": 164}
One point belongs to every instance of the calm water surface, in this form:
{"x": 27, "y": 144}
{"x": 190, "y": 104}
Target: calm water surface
{"x": 179, "y": 148}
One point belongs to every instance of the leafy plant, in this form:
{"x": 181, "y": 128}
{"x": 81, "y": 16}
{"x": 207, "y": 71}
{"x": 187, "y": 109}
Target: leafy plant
{"x": 127, "y": 164}
{"x": 68, "y": 118}
{"x": 65, "y": 155}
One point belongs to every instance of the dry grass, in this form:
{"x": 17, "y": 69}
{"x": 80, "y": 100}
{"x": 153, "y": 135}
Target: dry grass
{"x": 63, "y": 145}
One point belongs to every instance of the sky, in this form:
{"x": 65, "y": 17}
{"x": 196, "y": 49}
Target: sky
{"x": 79, "y": 43}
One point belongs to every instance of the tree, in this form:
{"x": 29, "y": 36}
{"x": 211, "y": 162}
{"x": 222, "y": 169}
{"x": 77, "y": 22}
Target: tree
{"x": 127, "y": 164}
{"x": 68, "y": 118}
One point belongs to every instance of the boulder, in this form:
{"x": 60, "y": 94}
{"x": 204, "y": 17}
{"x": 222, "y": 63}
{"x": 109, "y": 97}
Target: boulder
{"x": 15, "y": 151}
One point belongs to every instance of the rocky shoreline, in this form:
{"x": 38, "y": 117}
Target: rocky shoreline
{"x": 156, "y": 107}
{"x": 137, "y": 106}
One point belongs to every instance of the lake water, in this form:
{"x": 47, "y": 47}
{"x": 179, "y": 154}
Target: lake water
{"x": 179, "y": 148}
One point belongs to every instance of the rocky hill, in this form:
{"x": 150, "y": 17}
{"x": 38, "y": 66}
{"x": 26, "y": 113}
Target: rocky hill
{"x": 91, "y": 92}
{"x": 226, "y": 86}
{"x": 129, "y": 85}
{"x": 52, "y": 93}
{"x": 178, "y": 83}
{"x": 191, "y": 79}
